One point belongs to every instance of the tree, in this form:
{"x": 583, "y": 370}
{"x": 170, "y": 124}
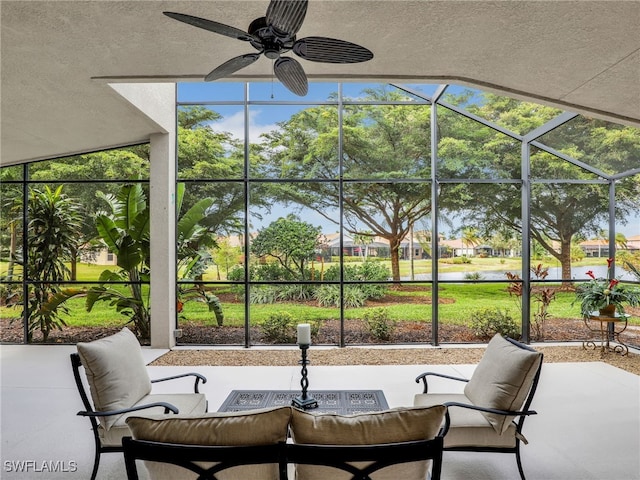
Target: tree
{"x": 364, "y": 239}
{"x": 290, "y": 241}
{"x": 470, "y": 237}
{"x": 385, "y": 146}
{"x": 226, "y": 256}
{"x": 53, "y": 233}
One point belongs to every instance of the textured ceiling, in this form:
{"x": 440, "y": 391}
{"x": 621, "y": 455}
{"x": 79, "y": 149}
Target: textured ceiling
{"x": 58, "y": 57}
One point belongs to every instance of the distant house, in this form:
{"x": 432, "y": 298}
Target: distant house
{"x": 600, "y": 248}
{"x": 378, "y": 247}
{"x": 99, "y": 257}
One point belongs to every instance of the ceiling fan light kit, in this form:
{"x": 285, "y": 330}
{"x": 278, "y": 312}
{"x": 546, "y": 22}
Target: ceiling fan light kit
{"x": 274, "y": 35}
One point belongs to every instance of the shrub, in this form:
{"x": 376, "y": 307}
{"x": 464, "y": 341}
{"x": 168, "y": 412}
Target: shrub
{"x": 486, "y": 322}
{"x": 354, "y": 296}
{"x": 461, "y": 260}
{"x": 379, "y": 324}
{"x": 280, "y": 327}
{"x": 262, "y": 294}
{"x": 296, "y": 291}
{"x": 473, "y": 276}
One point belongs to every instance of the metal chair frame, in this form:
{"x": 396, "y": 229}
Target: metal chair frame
{"x": 520, "y": 415}
{"x": 336, "y": 456}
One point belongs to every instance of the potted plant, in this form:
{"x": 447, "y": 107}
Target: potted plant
{"x": 605, "y": 296}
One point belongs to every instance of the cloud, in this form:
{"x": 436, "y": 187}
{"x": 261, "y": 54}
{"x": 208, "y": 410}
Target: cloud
{"x": 234, "y": 124}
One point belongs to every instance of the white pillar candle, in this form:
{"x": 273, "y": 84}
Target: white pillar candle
{"x": 304, "y": 334}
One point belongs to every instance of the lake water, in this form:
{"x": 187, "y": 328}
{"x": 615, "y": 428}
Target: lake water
{"x": 555, "y": 273}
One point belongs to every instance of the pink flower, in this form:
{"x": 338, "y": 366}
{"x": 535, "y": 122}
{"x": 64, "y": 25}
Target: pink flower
{"x": 590, "y": 273}
{"x": 613, "y": 283}
{"x": 609, "y": 262}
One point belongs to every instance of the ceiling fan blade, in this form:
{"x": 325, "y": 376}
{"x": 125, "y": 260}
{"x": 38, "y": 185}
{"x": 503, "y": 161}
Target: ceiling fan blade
{"x": 286, "y": 15}
{"x": 210, "y": 25}
{"x": 331, "y": 50}
{"x": 231, "y": 66}
{"x": 292, "y": 76}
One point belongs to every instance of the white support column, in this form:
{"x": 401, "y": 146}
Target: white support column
{"x": 158, "y": 103}
{"x": 163, "y": 234}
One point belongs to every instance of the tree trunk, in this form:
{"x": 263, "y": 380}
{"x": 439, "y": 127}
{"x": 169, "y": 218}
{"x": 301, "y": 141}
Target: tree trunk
{"x": 74, "y": 265}
{"x": 565, "y": 262}
{"x": 394, "y": 245}
{"x": 13, "y": 245}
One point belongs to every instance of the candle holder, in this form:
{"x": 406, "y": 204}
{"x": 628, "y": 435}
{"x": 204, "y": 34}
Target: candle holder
{"x": 304, "y": 401}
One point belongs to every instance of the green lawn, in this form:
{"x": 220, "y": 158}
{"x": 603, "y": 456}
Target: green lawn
{"x": 457, "y": 302}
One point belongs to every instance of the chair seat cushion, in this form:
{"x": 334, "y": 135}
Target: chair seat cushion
{"x": 187, "y": 404}
{"x": 255, "y": 427}
{"x": 468, "y": 428}
{"x": 396, "y": 425}
{"x": 116, "y": 372}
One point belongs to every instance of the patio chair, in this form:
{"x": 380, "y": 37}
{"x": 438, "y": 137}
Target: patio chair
{"x": 489, "y": 416}
{"x": 119, "y": 385}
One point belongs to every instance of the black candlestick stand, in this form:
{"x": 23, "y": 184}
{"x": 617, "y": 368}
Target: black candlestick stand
{"x": 304, "y": 401}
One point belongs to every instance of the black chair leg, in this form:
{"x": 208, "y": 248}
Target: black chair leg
{"x": 96, "y": 463}
{"x": 519, "y": 460}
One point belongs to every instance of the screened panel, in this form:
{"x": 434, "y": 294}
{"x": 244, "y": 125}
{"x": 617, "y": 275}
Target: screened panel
{"x": 210, "y": 92}
{"x": 547, "y": 166}
{"x": 11, "y": 173}
{"x": 376, "y": 92}
{"x": 274, "y": 91}
{"x": 386, "y": 142}
{"x": 11, "y": 230}
{"x": 605, "y": 146}
{"x": 211, "y": 313}
{"x": 288, "y": 241}
{"x": 210, "y": 142}
{"x": 131, "y": 163}
{"x": 277, "y": 309}
{"x": 563, "y": 215}
{"x": 474, "y": 312}
{"x": 468, "y": 149}
{"x": 294, "y": 142}
{"x": 480, "y": 228}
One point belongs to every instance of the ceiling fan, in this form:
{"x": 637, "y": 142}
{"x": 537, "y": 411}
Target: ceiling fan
{"x": 274, "y": 35}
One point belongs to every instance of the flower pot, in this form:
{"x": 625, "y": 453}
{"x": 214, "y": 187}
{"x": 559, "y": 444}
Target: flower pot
{"x": 608, "y": 311}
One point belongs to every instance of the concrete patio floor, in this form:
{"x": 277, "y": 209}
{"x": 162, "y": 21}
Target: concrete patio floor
{"x": 588, "y": 425}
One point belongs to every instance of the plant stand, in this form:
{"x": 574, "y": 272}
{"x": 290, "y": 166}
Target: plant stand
{"x": 608, "y": 328}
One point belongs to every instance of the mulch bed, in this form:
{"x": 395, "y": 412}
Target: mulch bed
{"x": 355, "y": 333}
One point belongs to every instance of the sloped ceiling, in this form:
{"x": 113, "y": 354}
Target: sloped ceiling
{"x": 59, "y": 57}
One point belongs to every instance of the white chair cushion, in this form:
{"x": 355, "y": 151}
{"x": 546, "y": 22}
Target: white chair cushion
{"x": 256, "y": 427}
{"x": 396, "y": 425}
{"x": 116, "y": 372}
{"x": 468, "y": 427}
{"x": 187, "y": 403}
{"x": 502, "y": 379}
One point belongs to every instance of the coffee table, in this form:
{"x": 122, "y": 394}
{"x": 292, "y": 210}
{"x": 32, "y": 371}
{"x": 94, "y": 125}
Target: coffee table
{"x": 344, "y": 402}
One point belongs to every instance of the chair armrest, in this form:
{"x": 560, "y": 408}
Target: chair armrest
{"x": 423, "y": 377}
{"x": 509, "y": 413}
{"x": 199, "y": 378}
{"x": 167, "y": 408}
